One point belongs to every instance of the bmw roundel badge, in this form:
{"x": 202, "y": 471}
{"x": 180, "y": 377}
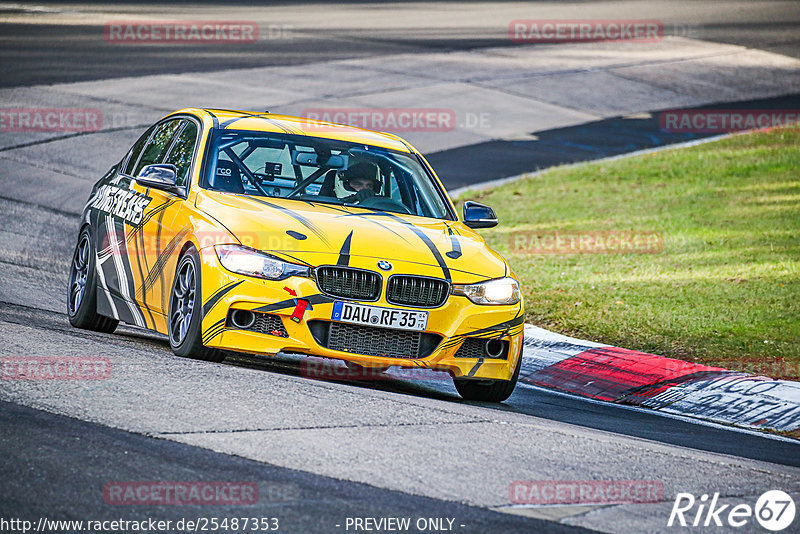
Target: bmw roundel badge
{"x": 384, "y": 265}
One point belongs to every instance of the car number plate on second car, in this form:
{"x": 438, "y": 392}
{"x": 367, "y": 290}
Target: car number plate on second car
{"x": 349, "y": 312}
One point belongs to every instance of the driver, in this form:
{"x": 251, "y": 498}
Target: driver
{"x": 362, "y": 180}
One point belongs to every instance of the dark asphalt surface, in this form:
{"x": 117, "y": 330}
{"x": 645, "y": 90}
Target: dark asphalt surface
{"x": 536, "y": 402}
{"x": 35, "y": 52}
{"x": 472, "y": 164}
{"x": 552, "y": 406}
{"x": 60, "y": 466}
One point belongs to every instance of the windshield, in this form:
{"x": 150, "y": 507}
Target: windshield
{"x": 322, "y": 170}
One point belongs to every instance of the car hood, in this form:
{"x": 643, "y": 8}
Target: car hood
{"x": 322, "y": 233}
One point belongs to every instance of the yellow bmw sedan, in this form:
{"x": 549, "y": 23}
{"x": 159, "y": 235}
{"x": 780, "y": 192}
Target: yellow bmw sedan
{"x": 262, "y": 233}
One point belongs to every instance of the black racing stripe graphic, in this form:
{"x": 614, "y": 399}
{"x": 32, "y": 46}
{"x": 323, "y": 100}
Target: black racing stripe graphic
{"x": 505, "y": 325}
{"x": 436, "y": 254}
{"x": 103, "y": 254}
{"x": 302, "y": 219}
{"x": 275, "y": 306}
{"x": 106, "y": 276}
{"x": 214, "y": 326}
{"x": 228, "y": 122}
{"x": 344, "y": 252}
{"x": 94, "y": 222}
{"x": 317, "y": 298}
{"x": 158, "y": 254}
{"x": 245, "y": 116}
{"x": 127, "y": 268}
{"x": 456, "y": 252}
{"x": 511, "y": 327}
{"x": 337, "y": 208}
{"x": 124, "y": 313}
{"x": 101, "y": 236}
{"x": 152, "y": 213}
{"x": 475, "y": 367}
{"x": 214, "y": 119}
{"x": 366, "y": 217}
{"x": 161, "y": 261}
{"x": 144, "y": 256}
{"x": 284, "y": 127}
{"x": 213, "y": 331}
{"x": 427, "y": 240}
{"x": 278, "y": 124}
{"x": 104, "y": 304}
{"x": 139, "y": 256}
{"x": 106, "y": 261}
{"x": 113, "y": 232}
{"x": 282, "y": 255}
{"x": 211, "y": 334}
{"x": 481, "y": 277}
{"x": 221, "y": 292}
{"x": 492, "y": 334}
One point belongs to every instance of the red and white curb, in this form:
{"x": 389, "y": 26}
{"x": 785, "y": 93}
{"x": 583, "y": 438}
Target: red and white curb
{"x": 623, "y": 376}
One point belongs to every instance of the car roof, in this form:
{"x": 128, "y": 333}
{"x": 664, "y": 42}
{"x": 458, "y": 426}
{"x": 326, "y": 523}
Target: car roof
{"x": 287, "y": 124}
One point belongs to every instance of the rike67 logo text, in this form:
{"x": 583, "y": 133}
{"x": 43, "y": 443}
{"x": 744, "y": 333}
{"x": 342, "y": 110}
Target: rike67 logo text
{"x": 774, "y": 510}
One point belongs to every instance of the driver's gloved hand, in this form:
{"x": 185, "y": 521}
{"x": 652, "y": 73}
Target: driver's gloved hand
{"x": 360, "y": 196}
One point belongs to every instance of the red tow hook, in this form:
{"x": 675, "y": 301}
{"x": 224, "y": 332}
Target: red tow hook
{"x": 299, "y": 310}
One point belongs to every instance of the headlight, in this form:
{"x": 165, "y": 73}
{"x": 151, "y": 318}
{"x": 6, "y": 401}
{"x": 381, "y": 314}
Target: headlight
{"x": 499, "y": 291}
{"x": 250, "y": 262}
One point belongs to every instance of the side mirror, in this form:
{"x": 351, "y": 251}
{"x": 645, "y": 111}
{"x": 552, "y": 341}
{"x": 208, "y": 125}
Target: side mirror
{"x": 159, "y": 177}
{"x": 479, "y": 216}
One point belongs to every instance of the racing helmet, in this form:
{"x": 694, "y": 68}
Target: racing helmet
{"x": 361, "y": 171}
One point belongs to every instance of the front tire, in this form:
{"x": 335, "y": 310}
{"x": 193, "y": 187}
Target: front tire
{"x": 186, "y": 312}
{"x": 488, "y": 390}
{"x": 82, "y": 292}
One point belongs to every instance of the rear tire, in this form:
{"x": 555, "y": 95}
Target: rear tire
{"x": 186, "y": 312}
{"x": 82, "y": 291}
{"x": 488, "y": 390}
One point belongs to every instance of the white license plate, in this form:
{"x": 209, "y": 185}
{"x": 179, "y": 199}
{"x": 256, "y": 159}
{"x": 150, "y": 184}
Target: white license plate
{"x": 348, "y": 312}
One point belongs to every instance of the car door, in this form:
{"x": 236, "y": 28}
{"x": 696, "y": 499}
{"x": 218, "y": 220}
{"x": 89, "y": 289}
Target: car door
{"x": 180, "y": 153}
{"x": 135, "y": 233}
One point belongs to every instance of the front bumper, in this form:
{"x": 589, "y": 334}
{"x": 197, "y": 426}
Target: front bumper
{"x": 454, "y": 322}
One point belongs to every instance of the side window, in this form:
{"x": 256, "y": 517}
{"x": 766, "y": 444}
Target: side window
{"x": 182, "y": 152}
{"x": 158, "y": 144}
{"x": 137, "y": 150}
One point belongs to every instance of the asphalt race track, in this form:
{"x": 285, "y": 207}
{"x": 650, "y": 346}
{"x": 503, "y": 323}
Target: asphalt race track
{"x": 322, "y": 452}
{"x": 52, "y": 42}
